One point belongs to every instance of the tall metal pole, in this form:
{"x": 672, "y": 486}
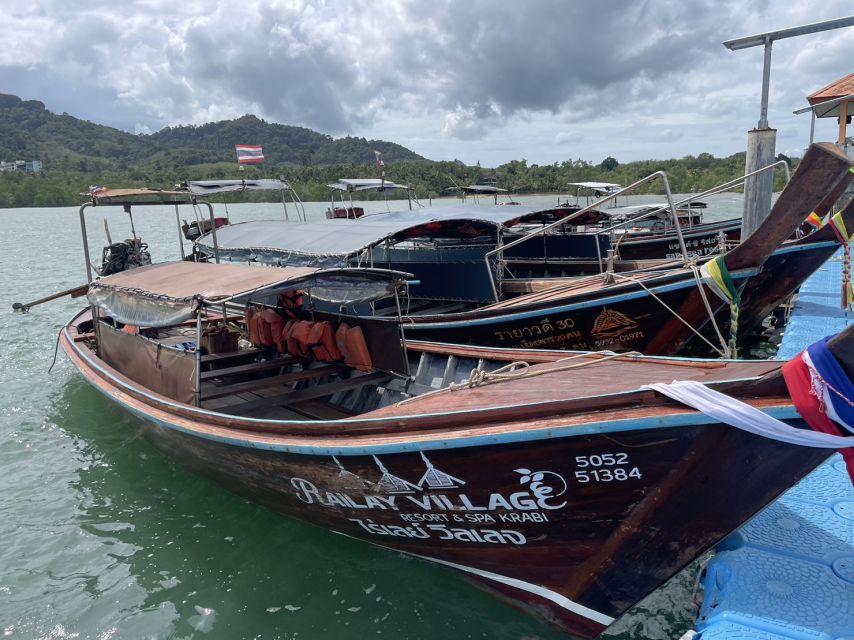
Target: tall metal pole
{"x": 766, "y": 83}
{"x": 761, "y": 141}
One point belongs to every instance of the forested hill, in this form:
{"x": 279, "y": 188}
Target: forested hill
{"x": 76, "y": 153}
{"x": 62, "y": 142}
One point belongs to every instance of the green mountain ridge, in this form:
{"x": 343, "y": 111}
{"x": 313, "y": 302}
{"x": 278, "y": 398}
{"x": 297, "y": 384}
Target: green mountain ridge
{"x": 76, "y": 153}
{"x": 28, "y": 130}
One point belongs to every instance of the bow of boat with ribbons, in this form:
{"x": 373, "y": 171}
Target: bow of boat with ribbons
{"x": 819, "y": 381}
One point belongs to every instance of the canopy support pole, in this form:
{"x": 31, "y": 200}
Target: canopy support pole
{"x": 197, "y": 393}
{"x": 180, "y": 236}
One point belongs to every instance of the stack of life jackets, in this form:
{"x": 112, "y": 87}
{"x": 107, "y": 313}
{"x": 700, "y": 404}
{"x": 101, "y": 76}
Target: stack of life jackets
{"x": 307, "y": 339}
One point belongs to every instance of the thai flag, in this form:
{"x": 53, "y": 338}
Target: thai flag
{"x": 249, "y": 153}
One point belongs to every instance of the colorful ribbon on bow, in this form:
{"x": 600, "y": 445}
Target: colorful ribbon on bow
{"x": 822, "y": 392}
{"x": 838, "y": 225}
{"x": 815, "y": 221}
{"x": 716, "y": 276}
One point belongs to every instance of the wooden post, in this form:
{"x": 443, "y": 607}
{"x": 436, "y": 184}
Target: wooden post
{"x": 843, "y": 123}
{"x": 758, "y": 189}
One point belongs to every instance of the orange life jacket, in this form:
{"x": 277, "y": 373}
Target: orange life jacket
{"x": 299, "y": 338}
{"x": 291, "y": 302}
{"x": 253, "y": 325}
{"x": 341, "y": 340}
{"x": 326, "y": 349}
{"x": 275, "y": 325}
{"x": 355, "y": 349}
{"x": 264, "y": 330}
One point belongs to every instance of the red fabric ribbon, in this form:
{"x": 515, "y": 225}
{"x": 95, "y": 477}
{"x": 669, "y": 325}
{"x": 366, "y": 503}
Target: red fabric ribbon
{"x": 796, "y": 373}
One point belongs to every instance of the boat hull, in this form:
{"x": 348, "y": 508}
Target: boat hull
{"x": 631, "y": 318}
{"x": 574, "y": 523}
{"x": 700, "y": 240}
{"x": 622, "y": 317}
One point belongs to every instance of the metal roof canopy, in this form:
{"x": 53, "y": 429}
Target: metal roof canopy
{"x": 201, "y": 187}
{"x": 366, "y": 184}
{"x": 768, "y": 38}
{"x": 483, "y": 188}
{"x": 595, "y": 185}
{"x": 330, "y": 242}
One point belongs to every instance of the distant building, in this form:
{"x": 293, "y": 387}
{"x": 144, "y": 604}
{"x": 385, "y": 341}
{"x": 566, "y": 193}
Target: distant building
{"x": 33, "y": 166}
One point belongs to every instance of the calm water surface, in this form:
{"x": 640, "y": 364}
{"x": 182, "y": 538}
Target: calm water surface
{"x": 101, "y": 536}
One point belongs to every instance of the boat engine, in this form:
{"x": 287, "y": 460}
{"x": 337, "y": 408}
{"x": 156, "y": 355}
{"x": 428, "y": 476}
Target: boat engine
{"x": 121, "y": 256}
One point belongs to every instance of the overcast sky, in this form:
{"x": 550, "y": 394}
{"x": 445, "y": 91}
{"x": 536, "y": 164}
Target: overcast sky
{"x": 477, "y": 80}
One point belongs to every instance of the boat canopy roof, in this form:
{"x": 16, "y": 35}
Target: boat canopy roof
{"x": 483, "y": 188}
{"x": 366, "y": 184}
{"x": 166, "y": 294}
{"x": 204, "y": 187}
{"x": 662, "y": 207}
{"x": 139, "y": 196}
{"x": 332, "y": 242}
{"x": 604, "y": 186}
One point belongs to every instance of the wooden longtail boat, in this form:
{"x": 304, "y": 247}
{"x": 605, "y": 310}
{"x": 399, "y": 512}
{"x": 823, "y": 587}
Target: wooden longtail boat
{"x": 658, "y": 312}
{"x": 563, "y": 485}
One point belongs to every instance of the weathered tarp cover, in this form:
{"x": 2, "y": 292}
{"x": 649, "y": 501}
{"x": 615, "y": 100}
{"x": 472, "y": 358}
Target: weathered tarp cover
{"x": 365, "y": 184}
{"x": 161, "y": 295}
{"x": 109, "y": 196}
{"x": 331, "y": 242}
{"x": 203, "y": 187}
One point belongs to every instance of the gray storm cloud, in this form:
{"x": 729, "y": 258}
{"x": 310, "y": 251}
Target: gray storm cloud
{"x": 440, "y": 70}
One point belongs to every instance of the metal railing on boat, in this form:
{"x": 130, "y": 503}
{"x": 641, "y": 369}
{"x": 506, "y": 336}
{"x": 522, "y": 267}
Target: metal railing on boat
{"x": 499, "y": 251}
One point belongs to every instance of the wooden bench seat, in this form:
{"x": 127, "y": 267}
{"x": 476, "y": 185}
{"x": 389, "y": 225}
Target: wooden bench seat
{"x": 219, "y": 357}
{"x": 210, "y": 390}
{"x": 295, "y": 397}
{"x": 251, "y": 367}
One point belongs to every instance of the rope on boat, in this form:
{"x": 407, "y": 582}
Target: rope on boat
{"x": 55, "y": 351}
{"x": 723, "y": 353}
{"x": 518, "y": 370}
{"x": 838, "y": 225}
{"x": 698, "y": 278}
{"x": 478, "y": 377}
{"x": 716, "y": 276}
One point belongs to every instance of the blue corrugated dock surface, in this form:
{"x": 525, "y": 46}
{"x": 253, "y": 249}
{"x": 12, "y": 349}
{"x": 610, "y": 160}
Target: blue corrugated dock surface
{"x": 789, "y": 573}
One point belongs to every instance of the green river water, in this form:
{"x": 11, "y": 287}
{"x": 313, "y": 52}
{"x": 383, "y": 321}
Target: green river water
{"x": 103, "y": 537}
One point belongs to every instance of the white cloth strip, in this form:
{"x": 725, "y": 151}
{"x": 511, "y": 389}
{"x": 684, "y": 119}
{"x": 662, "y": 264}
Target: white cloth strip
{"x": 736, "y": 413}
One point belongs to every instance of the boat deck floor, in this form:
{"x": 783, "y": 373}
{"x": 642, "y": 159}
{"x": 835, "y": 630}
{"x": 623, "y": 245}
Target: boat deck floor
{"x": 575, "y": 287}
{"x": 562, "y": 383}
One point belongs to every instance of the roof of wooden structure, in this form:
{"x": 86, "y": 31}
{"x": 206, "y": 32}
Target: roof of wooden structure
{"x": 835, "y": 90}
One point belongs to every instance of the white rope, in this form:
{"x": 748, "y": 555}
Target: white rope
{"x": 741, "y": 415}
{"x": 518, "y": 370}
{"x": 479, "y": 377}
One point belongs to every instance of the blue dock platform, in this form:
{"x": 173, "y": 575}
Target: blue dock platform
{"x": 788, "y": 574}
